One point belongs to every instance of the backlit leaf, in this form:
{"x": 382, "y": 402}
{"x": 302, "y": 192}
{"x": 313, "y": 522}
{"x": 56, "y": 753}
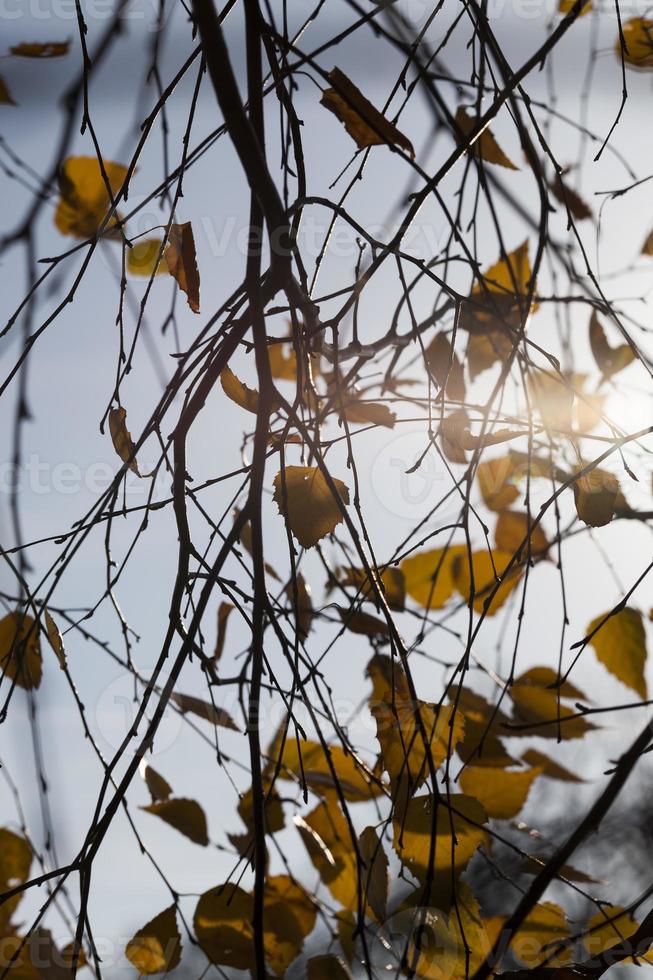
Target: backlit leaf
{"x": 225, "y": 610}
{"x": 485, "y": 147}
{"x": 326, "y": 966}
{"x": 49, "y": 49}
{"x": 186, "y": 816}
{"x": 498, "y": 301}
{"x": 502, "y": 794}
{"x": 374, "y": 874}
{"x": 223, "y": 924}
{"x": 512, "y": 529}
{"x": 156, "y": 948}
{"x": 457, "y": 815}
{"x": 552, "y": 396}
{"x": 647, "y": 247}
{"x": 429, "y": 575}
{"x": 540, "y": 937}
{"x": 158, "y": 787}
{"x": 304, "y": 496}
{"x": 304, "y": 604}
{"x": 327, "y": 838}
{"x": 494, "y": 476}
{"x": 486, "y": 349}
{"x": 620, "y": 645}
{"x": 609, "y": 360}
{"x": 15, "y": 862}
{"x": 596, "y": 496}
{"x": 289, "y": 916}
{"x": 309, "y": 761}
{"x": 391, "y": 583}
{"x": 484, "y": 723}
{"x": 181, "y": 260}
{"x": 550, "y": 767}
{"x": 487, "y": 571}
{"x": 20, "y": 650}
{"x": 143, "y": 258}
{"x": 204, "y": 709}
{"x": 282, "y": 365}
{"x": 55, "y": 639}
{"x": 122, "y": 439}
{"x": 609, "y": 927}
{"x": 536, "y": 702}
{"x": 363, "y": 623}
{"x": 368, "y": 413}
{"x": 564, "y": 6}
{"x": 364, "y": 123}
{"x": 638, "y": 41}
{"x": 239, "y": 393}
{"x": 445, "y": 367}
{"x": 84, "y": 199}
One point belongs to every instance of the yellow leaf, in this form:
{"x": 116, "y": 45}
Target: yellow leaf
{"x": 364, "y": 123}
{"x": 596, "y": 496}
{"x": 540, "y": 937}
{"x": 327, "y": 838}
{"x": 494, "y": 476}
{"x": 6, "y": 97}
{"x": 186, "y": 816}
{"x": 374, "y": 873}
{"x": 346, "y": 923}
{"x": 483, "y": 724}
{"x": 15, "y": 862}
{"x": 549, "y": 767}
{"x": 487, "y": 570}
{"x": 20, "y": 650}
{"x": 485, "y": 147}
{"x": 388, "y": 679}
{"x": 158, "y": 787}
{"x": 225, "y": 610}
{"x": 273, "y": 810}
{"x": 452, "y": 429}
{"x": 564, "y": 6}
{"x": 55, "y": 639}
{"x": 282, "y": 366}
{"x": 368, "y": 413}
{"x": 181, "y": 260}
{"x": 429, "y": 575}
{"x": 497, "y": 302}
{"x": 122, "y": 439}
{"x": 326, "y": 966}
{"x": 85, "y": 200}
{"x": 638, "y": 40}
{"x": 609, "y": 927}
{"x": 289, "y": 916}
{"x": 459, "y": 832}
{"x": 204, "y": 709}
{"x": 49, "y": 49}
{"x": 609, "y": 360}
{"x": 502, "y": 794}
{"x": 156, "y": 948}
{"x": 553, "y": 397}
{"x": 547, "y": 677}
{"x": 223, "y": 924}
{"x": 535, "y": 703}
{"x": 391, "y": 582}
{"x": 143, "y": 259}
{"x": 620, "y": 645}
{"x": 445, "y": 367}
{"x": 486, "y": 349}
{"x": 308, "y": 760}
{"x": 511, "y": 530}
{"x": 239, "y": 393}
{"x": 303, "y": 495}
{"x": 647, "y": 247}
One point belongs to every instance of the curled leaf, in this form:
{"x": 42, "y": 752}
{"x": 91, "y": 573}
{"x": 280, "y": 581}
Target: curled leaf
{"x": 364, "y": 123}
{"x": 55, "y": 639}
{"x": 144, "y": 258}
{"x": 121, "y": 438}
{"x": 85, "y": 198}
{"x": 181, "y": 260}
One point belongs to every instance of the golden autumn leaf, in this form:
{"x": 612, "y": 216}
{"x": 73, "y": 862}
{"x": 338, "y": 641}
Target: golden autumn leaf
{"x": 15, "y": 862}
{"x": 445, "y": 367}
{"x": 20, "y": 650}
{"x": 495, "y": 482}
{"x": 485, "y": 147}
{"x": 497, "y": 302}
{"x": 390, "y": 579}
{"x": 346, "y": 923}
{"x": 158, "y": 787}
{"x": 302, "y": 604}
{"x": 144, "y": 258}
{"x": 511, "y": 531}
{"x": 273, "y": 810}
{"x": 156, "y": 948}
{"x": 620, "y": 645}
{"x": 327, "y": 838}
{"x": 374, "y": 877}
{"x": 486, "y": 349}
{"x": 564, "y": 6}
{"x": 549, "y": 767}
{"x": 609, "y": 360}
{"x": 537, "y": 703}
{"x": 304, "y": 497}
{"x": 428, "y": 575}
{"x": 388, "y": 679}
{"x": 55, "y": 639}
{"x": 310, "y": 761}
{"x": 238, "y": 391}
{"x": 609, "y": 927}
{"x": 477, "y": 576}
{"x": 326, "y": 966}
{"x": 533, "y": 865}
{"x": 547, "y": 677}
{"x": 35, "y": 49}
{"x": 85, "y": 200}
{"x": 552, "y": 396}
{"x": 459, "y": 832}
{"x": 289, "y": 916}
{"x": 181, "y": 259}
{"x": 225, "y": 610}
{"x": 541, "y": 937}
{"x": 186, "y": 816}
{"x": 67, "y": 955}
{"x": 282, "y": 365}
{"x": 596, "y": 495}
{"x": 364, "y": 123}
{"x": 484, "y": 722}
{"x": 6, "y": 97}
{"x": 204, "y": 709}
{"x": 223, "y": 924}
{"x": 647, "y": 247}
{"x": 122, "y": 439}
{"x": 368, "y": 413}
{"x": 501, "y": 793}
{"x": 638, "y": 42}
